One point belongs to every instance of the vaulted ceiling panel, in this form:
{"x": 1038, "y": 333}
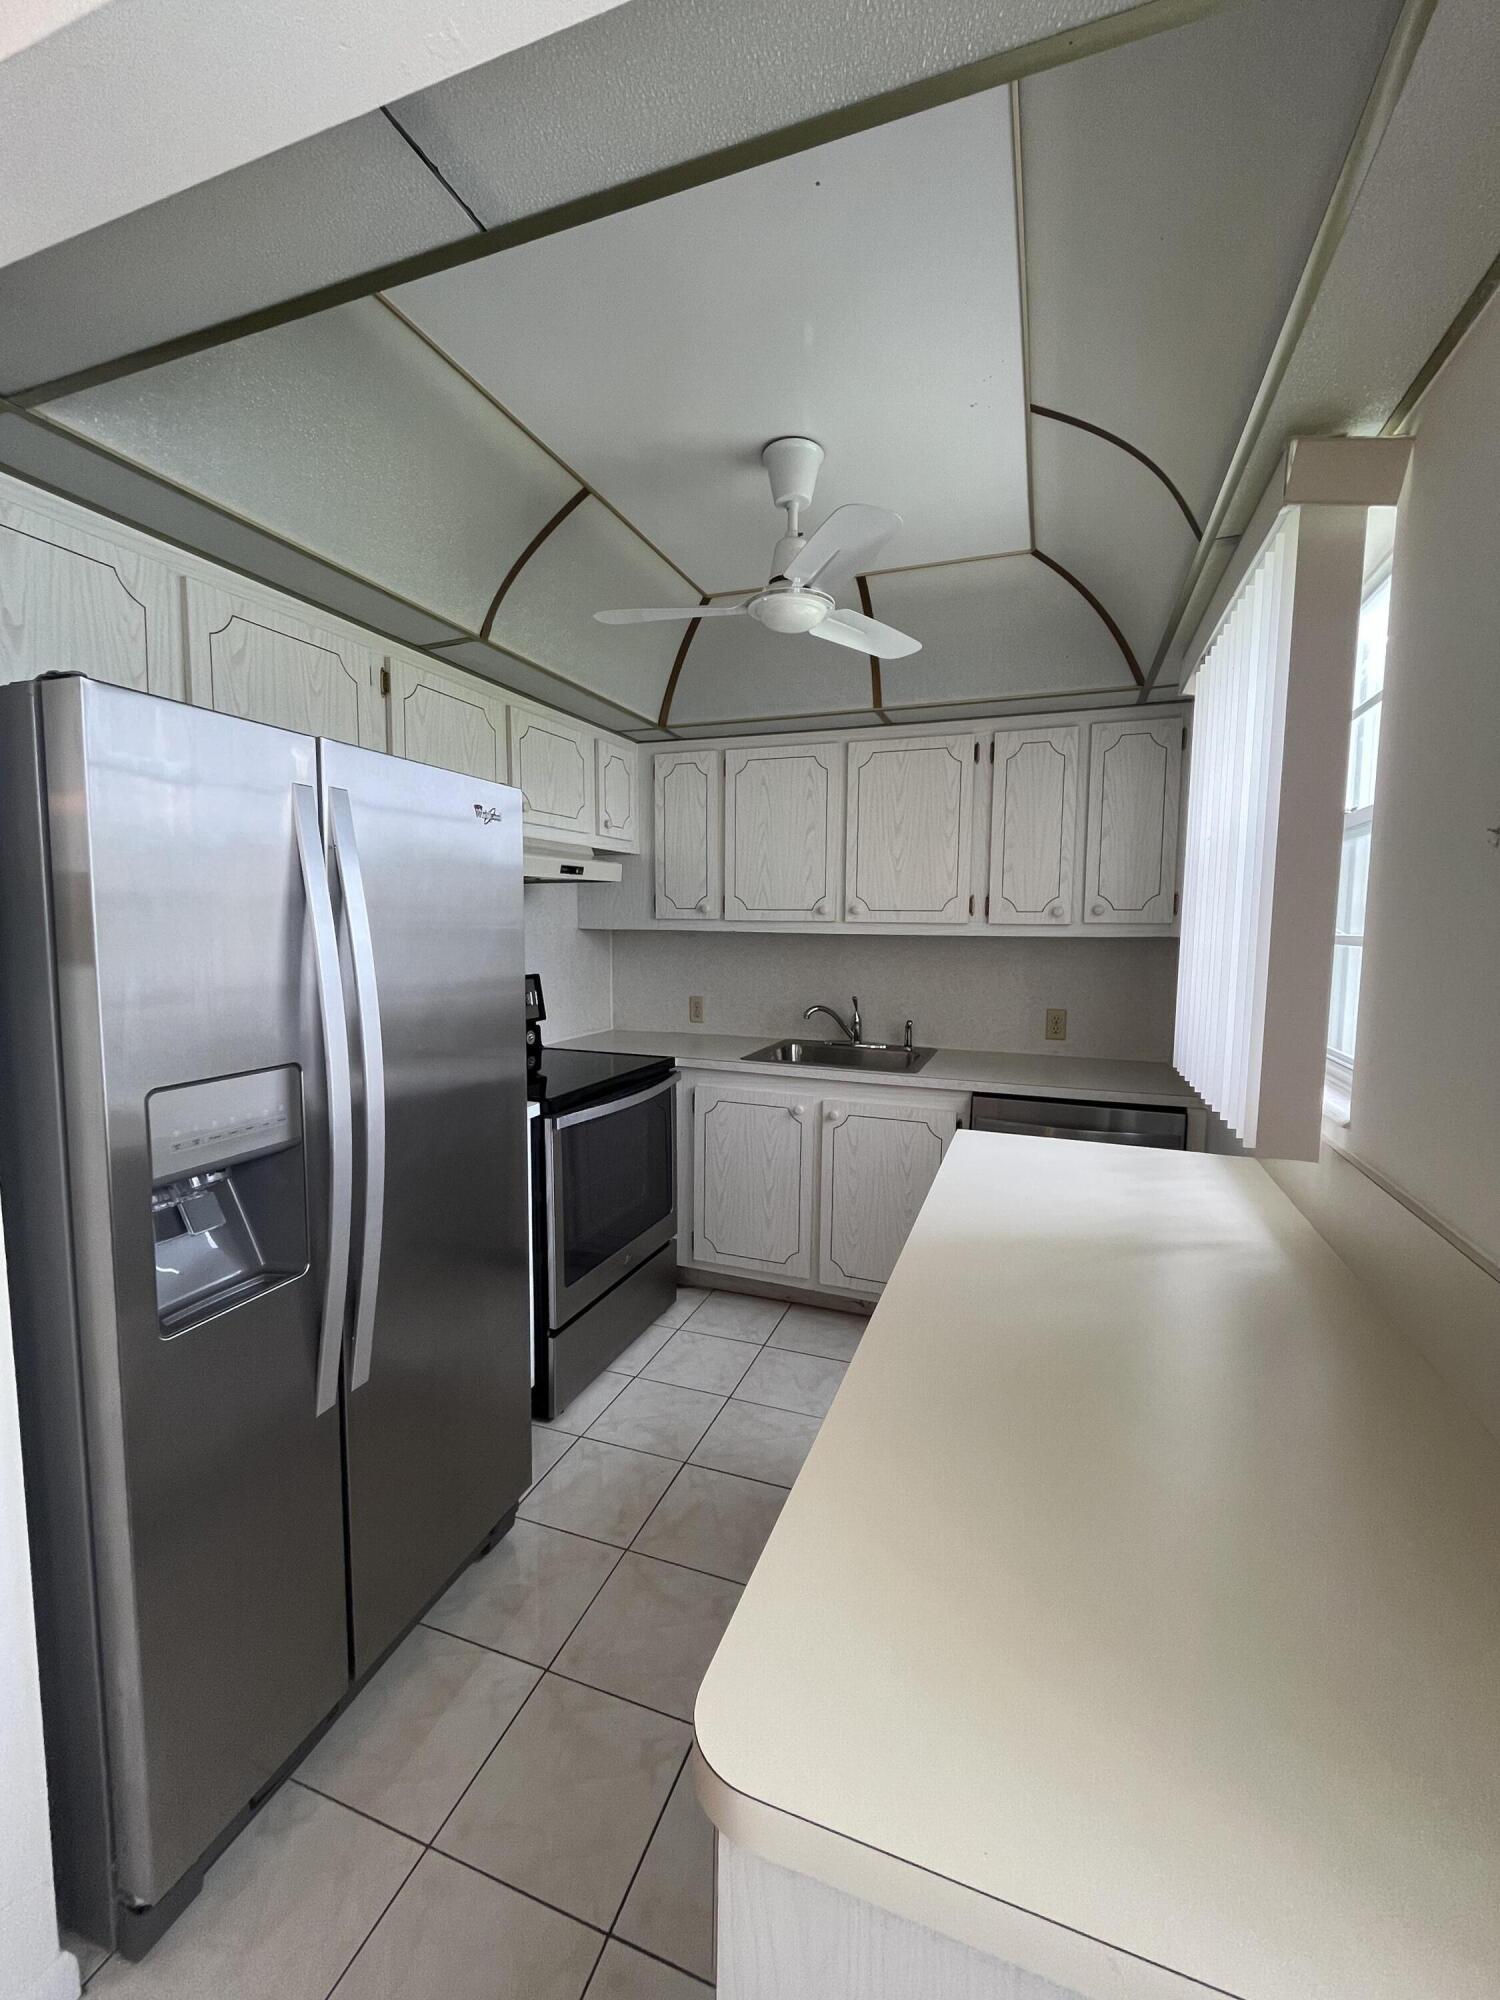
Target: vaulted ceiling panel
{"x": 1110, "y": 520}
{"x": 348, "y": 435}
{"x": 1172, "y": 190}
{"x": 590, "y": 562}
{"x": 865, "y": 293}
{"x": 735, "y": 669}
{"x": 994, "y": 631}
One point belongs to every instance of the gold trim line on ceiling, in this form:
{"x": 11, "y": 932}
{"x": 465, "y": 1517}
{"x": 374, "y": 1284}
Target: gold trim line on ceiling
{"x": 862, "y": 585}
{"x": 1128, "y": 24}
{"x": 1124, "y": 444}
{"x": 1098, "y": 606}
{"x": 664, "y": 713}
{"x": 548, "y": 527}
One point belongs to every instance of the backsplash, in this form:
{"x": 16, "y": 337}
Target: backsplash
{"x": 963, "y": 993}
{"x": 573, "y": 964}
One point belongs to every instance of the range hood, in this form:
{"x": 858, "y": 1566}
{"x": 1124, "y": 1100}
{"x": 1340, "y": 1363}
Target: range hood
{"x": 543, "y": 862}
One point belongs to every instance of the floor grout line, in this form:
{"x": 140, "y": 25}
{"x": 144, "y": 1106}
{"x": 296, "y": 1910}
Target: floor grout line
{"x": 641, "y": 1857}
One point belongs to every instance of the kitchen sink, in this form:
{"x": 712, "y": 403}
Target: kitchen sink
{"x": 886, "y": 1056}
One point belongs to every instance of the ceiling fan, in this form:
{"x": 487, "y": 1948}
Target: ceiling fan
{"x": 806, "y": 570}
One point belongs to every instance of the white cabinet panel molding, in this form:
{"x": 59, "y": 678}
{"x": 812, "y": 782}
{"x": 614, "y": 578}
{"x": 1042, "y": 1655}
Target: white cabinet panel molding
{"x": 552, "y": 761}
{"x": 1135, "y": 770}
{"x": 783, "y": 833}
{"x": 438, "y": 718}
{"x": 617, "y": 782}
{"x": 753, "y": 1180}
{"x": 75, "y": 602}
{"x": 910, "y": 830}
{"x": 879, "y": 1157}
{"x": 688, "y": 810}
{"x": 1033, "y": 826}
{"x": 249, "y": 656}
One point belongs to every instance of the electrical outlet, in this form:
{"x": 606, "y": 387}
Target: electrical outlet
{"x": 1057, "y": 1024}
{"x": 695, "y": 1008}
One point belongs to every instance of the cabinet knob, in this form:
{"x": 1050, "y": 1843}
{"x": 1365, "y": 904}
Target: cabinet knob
{"x": 856, "y": 907}
{"x": 1096, "y": 909}
{"x": 1056, "y": 910}
{"x": 822, "y": 907}
{"x": 703, "y": 907}
{"x": 799, "y": 1110}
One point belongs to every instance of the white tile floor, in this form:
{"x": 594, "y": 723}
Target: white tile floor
{"x": 505, "y": 1811}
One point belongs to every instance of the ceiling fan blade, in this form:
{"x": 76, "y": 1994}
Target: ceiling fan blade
{"x": 684, "y": 612}
{"x": 865, "y": 635}
{"x": 843, "y": 546}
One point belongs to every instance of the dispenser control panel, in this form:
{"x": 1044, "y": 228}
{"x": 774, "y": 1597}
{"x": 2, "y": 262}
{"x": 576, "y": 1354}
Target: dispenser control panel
{"x": 198, "y": 1126}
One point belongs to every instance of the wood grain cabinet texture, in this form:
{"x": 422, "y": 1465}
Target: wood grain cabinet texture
{"x": 688, "y": 803}
{"x": 753, "y": 1180}
{"x": 617, "y": 788}
{"x": 75, "y": 602}
{"x": 250, "y": 657}
{"x": 1130, "y": 863}
{"x": 784, "y": 833}
{"x": 437, "y": 718}
{"x": 879, "y": 1158}
{"x": 552, "y": 762}
{"x": 910, "y": 830}
{"x": 1034, "y": 827}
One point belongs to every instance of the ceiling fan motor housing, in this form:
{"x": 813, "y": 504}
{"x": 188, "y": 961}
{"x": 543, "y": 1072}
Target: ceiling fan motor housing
{"x": 792, "y": 463}
{"x": 787, "y": 610}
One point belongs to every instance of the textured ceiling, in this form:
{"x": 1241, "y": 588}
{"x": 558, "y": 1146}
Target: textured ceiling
{"x": 658, "y": 350}
{"x": 1171, "y": 192}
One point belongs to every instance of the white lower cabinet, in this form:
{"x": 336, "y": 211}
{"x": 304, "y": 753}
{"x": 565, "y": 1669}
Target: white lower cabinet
{"x": 816, "y": 1189}
{"x": 753, "y": 1180}
{"x": 879, "y": 1157}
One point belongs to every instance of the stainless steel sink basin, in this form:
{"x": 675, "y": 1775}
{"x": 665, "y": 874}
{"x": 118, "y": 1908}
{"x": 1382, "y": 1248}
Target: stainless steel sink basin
{"x": 887, "y": 1056}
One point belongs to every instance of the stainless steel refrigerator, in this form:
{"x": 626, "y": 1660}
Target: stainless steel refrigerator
{"x": 263, "y": 1162}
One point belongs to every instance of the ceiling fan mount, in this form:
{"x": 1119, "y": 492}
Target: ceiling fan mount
{"x": 806, "y": 571}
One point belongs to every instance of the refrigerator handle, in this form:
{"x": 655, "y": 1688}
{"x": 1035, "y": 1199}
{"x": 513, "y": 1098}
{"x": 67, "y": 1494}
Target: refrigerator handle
{"x": 345, "y": 851}
{"x": 340, "y": 1108}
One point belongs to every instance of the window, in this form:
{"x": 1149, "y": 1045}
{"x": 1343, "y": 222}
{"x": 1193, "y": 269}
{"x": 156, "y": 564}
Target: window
{"x": 1354, "y": 865}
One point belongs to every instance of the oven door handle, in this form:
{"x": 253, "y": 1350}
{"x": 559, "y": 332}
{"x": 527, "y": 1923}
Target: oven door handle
{"x": 613, "y": 1104}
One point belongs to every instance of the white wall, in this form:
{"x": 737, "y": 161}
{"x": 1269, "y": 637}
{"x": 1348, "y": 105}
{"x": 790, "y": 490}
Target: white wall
{"x": 963, "y": 993}
{"x": 32, "y": 1967}
{"x": 1426, "y": 1103}
{"x": 574, "y": 965}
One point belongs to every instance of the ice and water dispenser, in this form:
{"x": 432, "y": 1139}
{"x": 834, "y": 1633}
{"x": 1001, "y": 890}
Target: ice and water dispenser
{"x": 228, "y": 1193}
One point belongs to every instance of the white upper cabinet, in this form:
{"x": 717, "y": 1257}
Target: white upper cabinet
{"x": 1033, "y": 827}
{"x": 617, "y": 782}
{"x": 75, "y": 602}
{"x": 1130, "y": 867}
{"x": 910, "y": 830}
{"x": 753, "y": 1184}
{"x": 249, "y": 656}
{"x": 438, "y": 718}
{"x": 688, "y": 804}
{"x": 783, "y": 833}
{"x": 879, "y": 1157}
{"x": 552, "y": 762}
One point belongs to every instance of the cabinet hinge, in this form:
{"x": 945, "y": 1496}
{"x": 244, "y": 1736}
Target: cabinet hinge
{"x": 1184, "y": 736}
{"x": 992, "y": 749}
{"x": 976, "y": 751}
{"x": 986, "y": 908}
{"x": 971, "y": 906}
{"x": 1176, "y": 901}
{"x": 385, "y": 680}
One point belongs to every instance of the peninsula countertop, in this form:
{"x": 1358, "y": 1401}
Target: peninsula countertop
{"x": 1136, "y": 1616}
{"x": 1114, "y": 1080}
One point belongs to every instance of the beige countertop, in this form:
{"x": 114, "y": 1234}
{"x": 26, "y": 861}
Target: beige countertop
{"x": 1136, "y": 1615}
{"x": 1120, "y": 1081}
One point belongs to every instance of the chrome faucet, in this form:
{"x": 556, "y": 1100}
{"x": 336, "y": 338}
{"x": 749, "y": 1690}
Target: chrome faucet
{"x": 852, "y": 1029}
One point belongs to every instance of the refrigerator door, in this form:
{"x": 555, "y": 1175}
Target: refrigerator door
{"x": 427, "y": 875}
{"x": 192, "y": 1086}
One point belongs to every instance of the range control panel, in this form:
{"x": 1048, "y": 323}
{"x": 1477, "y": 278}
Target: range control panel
{"x": 198, "y": 1126}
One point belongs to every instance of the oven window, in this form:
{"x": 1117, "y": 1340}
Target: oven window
{"x": 613, "y": 1181}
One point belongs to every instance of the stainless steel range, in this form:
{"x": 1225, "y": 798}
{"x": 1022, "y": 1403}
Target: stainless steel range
{"x": 604, "y": 1187}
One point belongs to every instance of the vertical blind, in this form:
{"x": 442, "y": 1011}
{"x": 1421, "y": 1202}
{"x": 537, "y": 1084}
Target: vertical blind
{"x": 1239, "y": 717}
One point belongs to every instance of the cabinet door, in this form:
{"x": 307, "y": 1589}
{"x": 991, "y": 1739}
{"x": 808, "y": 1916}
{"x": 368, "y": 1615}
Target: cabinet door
{"x": 247, "y": 656}
{"x": 879, "y": 1159}
{"x": 1033, "y": 824}
{"x": 552, "y": 761}
{"x": 617, "y": 778}
{"x": 74, "y": 602}
{"x": 910, "y": 830}
{"x": 783, "y": 833}
{"x": 688, "y": 802}
{"x": 753, "y": 1180}
{"x": 436, "y": 719}
{"x": 1130, "y": 870}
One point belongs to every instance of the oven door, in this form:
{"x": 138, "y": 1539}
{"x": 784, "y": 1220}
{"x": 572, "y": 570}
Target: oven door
{"x": 611, "y": 1193}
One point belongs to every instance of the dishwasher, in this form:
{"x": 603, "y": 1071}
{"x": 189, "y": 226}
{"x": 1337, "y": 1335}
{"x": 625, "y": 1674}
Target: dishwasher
{"x": 1076, "y": 1118}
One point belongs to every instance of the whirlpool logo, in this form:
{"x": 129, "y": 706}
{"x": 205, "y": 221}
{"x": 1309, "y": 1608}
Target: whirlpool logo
{"x": 486, "y": 815}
